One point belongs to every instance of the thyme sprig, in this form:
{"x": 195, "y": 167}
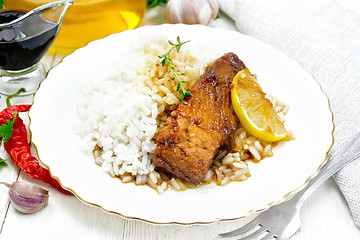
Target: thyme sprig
{"x": 166, "y": 59}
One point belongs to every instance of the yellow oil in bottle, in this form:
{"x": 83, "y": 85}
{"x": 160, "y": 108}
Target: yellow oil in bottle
{"x": 88, "y": 20}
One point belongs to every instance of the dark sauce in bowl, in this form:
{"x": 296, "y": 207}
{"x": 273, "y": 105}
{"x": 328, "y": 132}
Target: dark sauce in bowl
{"x": 23, "y": 44}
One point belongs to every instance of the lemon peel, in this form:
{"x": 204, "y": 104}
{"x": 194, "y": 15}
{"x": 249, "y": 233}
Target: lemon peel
{"x": 255, "y": 112}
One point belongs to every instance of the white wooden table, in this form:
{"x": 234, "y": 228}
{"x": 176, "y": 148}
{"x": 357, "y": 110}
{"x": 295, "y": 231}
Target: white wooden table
{"x": 325, "y": 215}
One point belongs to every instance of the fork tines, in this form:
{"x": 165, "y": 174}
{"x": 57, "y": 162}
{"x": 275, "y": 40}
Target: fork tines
{"x": 252, "y": 230}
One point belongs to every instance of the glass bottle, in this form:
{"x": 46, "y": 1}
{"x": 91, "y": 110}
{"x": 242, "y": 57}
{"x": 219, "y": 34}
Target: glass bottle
{"x": 88, "y": 20}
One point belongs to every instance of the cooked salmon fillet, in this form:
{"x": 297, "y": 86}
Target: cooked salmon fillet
{"x": 193, "y": 133}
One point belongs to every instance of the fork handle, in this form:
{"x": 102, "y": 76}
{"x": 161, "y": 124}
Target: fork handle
{"x": 349, "y": 153}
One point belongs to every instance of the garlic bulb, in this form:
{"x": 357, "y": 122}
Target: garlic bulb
{"x": 27, "y": 197}
{"x": 191, "y": 11}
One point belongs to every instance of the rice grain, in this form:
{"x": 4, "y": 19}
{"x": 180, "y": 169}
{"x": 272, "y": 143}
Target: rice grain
{"x": 122, "y": 135}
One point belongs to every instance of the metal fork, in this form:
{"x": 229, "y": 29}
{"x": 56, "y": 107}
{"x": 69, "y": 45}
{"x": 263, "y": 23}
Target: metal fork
{"x": 283, "y": 220}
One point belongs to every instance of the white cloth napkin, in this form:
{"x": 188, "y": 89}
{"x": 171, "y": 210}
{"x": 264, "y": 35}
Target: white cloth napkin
{"x": 324, "y": 38}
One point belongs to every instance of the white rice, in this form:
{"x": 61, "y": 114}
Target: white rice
{"x": 119, "y": 121}
{"x": 121, "y": 114}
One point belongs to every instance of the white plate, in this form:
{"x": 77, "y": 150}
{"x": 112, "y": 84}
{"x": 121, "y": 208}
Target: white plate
{"x": 54, "y": 113}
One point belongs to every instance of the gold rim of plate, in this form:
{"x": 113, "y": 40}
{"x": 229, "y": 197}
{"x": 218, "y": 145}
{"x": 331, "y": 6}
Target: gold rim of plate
{"x": 283, "y": 199}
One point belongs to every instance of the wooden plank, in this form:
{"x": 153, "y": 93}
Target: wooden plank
{"x": 9, "y": 172}
{"x": 326, "y": 215}
{"x": 321, "y": 217}
{"x": 66, "y": 216}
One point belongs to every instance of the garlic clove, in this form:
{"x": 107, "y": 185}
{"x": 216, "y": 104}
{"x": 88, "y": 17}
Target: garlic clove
{"x": 191, "y": 11}
{"x": 173, "y": 12}
{"x": 28, "y": 197}
{"x": 214, "y": 5}
{"x": 197, "y": 12}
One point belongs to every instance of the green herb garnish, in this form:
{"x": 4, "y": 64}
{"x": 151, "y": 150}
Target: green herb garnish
{"x": 6, "y": 132}
{"x": 153, "y": 3}
{"x": 166, "y": 59}
{"x": 6, "y": 129}
{"x": 1, "y": 4}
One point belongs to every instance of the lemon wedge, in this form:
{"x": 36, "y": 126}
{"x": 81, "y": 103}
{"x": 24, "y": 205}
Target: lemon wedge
{"x": 255, "y": 112}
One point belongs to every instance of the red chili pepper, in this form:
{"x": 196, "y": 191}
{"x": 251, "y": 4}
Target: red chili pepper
{"x": 19, "y": 150}
{"x": 8, "y": 113}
